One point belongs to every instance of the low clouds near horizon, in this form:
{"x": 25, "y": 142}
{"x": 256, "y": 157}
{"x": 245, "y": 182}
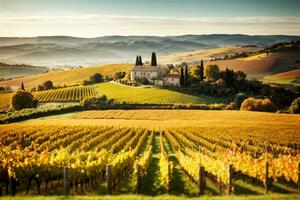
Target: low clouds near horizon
{"x": 100, "y": 25}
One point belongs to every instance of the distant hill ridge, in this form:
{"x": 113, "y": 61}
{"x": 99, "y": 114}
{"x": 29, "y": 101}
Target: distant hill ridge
{"x": 65, "y": 51}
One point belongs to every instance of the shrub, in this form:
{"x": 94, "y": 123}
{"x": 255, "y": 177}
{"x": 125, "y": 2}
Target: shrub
{"x": 48, "y": 85}
{"x": 96, "y": 102}
{"x": 22, "y": 99}
{"x": 231, "y": 106}
{"x": 240, "y": 97}
{"x": 295, "y": 106}
{"x": 96, "y": 78}
{"x": 39, "y": 88}
{"x": 263, "y": 105}
{"x": 86, "y": 82}
{"x": 93, "y": 79}
{"x": 119, "y": 75}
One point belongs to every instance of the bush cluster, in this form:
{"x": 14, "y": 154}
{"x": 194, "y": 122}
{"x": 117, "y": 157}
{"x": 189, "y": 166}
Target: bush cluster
{"x": 295, "y": 106}
{"x": 93, "y": 79}
{"x": 263, "y": 105}
{"x": 96, "y": 102}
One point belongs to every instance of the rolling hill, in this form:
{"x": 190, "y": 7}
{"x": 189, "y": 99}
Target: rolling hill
{"x": 13, "y": 71}
{"x": 118, "y": 92}
{"x": 205, "y": 54}
{"x": 63, "y": 51}
{"x": 152, "y": 95}
{"x": 290, "y": 77}
{"x": 256, "y": 66}
{"x": 70, "y": 77}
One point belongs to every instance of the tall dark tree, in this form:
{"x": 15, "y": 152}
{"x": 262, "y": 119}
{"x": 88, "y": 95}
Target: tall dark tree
{"x": 186, "y": 74}
{"x": 22, "y": 86}
{"x": 137, "y": 61}
{"x": 181, "y": 77}
{"x": 153, "y": 59}
{"x": 201, "y": 71}
{"x": 141, "y": 62}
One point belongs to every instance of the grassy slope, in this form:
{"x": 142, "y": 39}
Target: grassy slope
{"x": 74, "y": 76}
{"x": 13, "y": 71}
{"x": 256, "y": 66}
{"x": 262, "y": 65}
{"x": 291, "y": 77}
{"x": 206, "y": 54}
{"x": 151, "y": 95}
{"x": 138, "y": 95}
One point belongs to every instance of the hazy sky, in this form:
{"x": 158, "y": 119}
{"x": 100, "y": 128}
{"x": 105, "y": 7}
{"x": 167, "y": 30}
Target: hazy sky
{"x": 92, "y": 18}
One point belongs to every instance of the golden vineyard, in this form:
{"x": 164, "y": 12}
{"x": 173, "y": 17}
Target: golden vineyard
{"x": 73, "y": 159}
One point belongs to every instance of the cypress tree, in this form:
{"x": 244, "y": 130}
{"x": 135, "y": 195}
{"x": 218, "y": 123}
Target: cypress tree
{"x": 22, "y": 86}
{"x": 181, "y": 77}
{"x": 201, "y": 71}
{"x": 153, "y": 59}
{"x": 186, "y": 74}
{"x": 141, "y": 62}
{"x": 137, "y": 61}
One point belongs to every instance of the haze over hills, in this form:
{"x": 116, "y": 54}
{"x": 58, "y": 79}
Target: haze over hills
{"x": 64, "y": 51}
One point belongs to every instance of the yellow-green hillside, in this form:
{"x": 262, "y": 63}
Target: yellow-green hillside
{"x": 74, "y": 76}
{"x": 151, "y": 95}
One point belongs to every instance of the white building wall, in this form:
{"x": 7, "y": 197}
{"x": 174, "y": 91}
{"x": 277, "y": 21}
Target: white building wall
{"x": 140, "y": 74}
{"x": 172, "y": 81}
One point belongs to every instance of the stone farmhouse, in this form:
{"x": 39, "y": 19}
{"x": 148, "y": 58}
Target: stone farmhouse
{"x": 159, "y": 75}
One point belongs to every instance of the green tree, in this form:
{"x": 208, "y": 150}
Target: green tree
{"x": 198, "y": 71}
{"x": 212, "y": 72}
{"x": 48, "y": 85}
{"x": 21, "y": 99}
{"x": 96, "y": 78}
{"x": 119, "y": 75}
{"x": 201, "y": 73}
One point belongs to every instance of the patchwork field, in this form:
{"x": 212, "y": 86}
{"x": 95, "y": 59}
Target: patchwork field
{"x": 206, "y": 54}
{"x": 232, "y": 146}
{"x": 291, "y": 77}
{"x": 118, "y": 92}
{"x": 74, "y": 76}
{"x": 262, "y": 65}
{"x": 155, "y": 119}
{"x": 66, "y": 94}
{"x": 152, "y": 95}
{"x": 256, "y": 66}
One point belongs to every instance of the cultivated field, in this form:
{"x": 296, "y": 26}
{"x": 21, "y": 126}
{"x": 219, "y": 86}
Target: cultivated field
{"x": 232, "y": 146}
{"x": 66, "y": 94}
{"x": 68, "y": 77}
{"x": 4, "y": 101}
{"x": 118, "y": 92}
{"x": 206, "y": 54}
{"x": 291, "y": 77}
{"x": 151, "y": 95}
{"x": 256, "y": 66}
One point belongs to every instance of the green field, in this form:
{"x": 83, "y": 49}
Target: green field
{"x": 152, "y": 95}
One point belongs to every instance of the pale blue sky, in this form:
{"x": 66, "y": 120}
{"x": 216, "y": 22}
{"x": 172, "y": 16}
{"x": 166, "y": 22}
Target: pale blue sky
{"x": 91, "y": 18}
